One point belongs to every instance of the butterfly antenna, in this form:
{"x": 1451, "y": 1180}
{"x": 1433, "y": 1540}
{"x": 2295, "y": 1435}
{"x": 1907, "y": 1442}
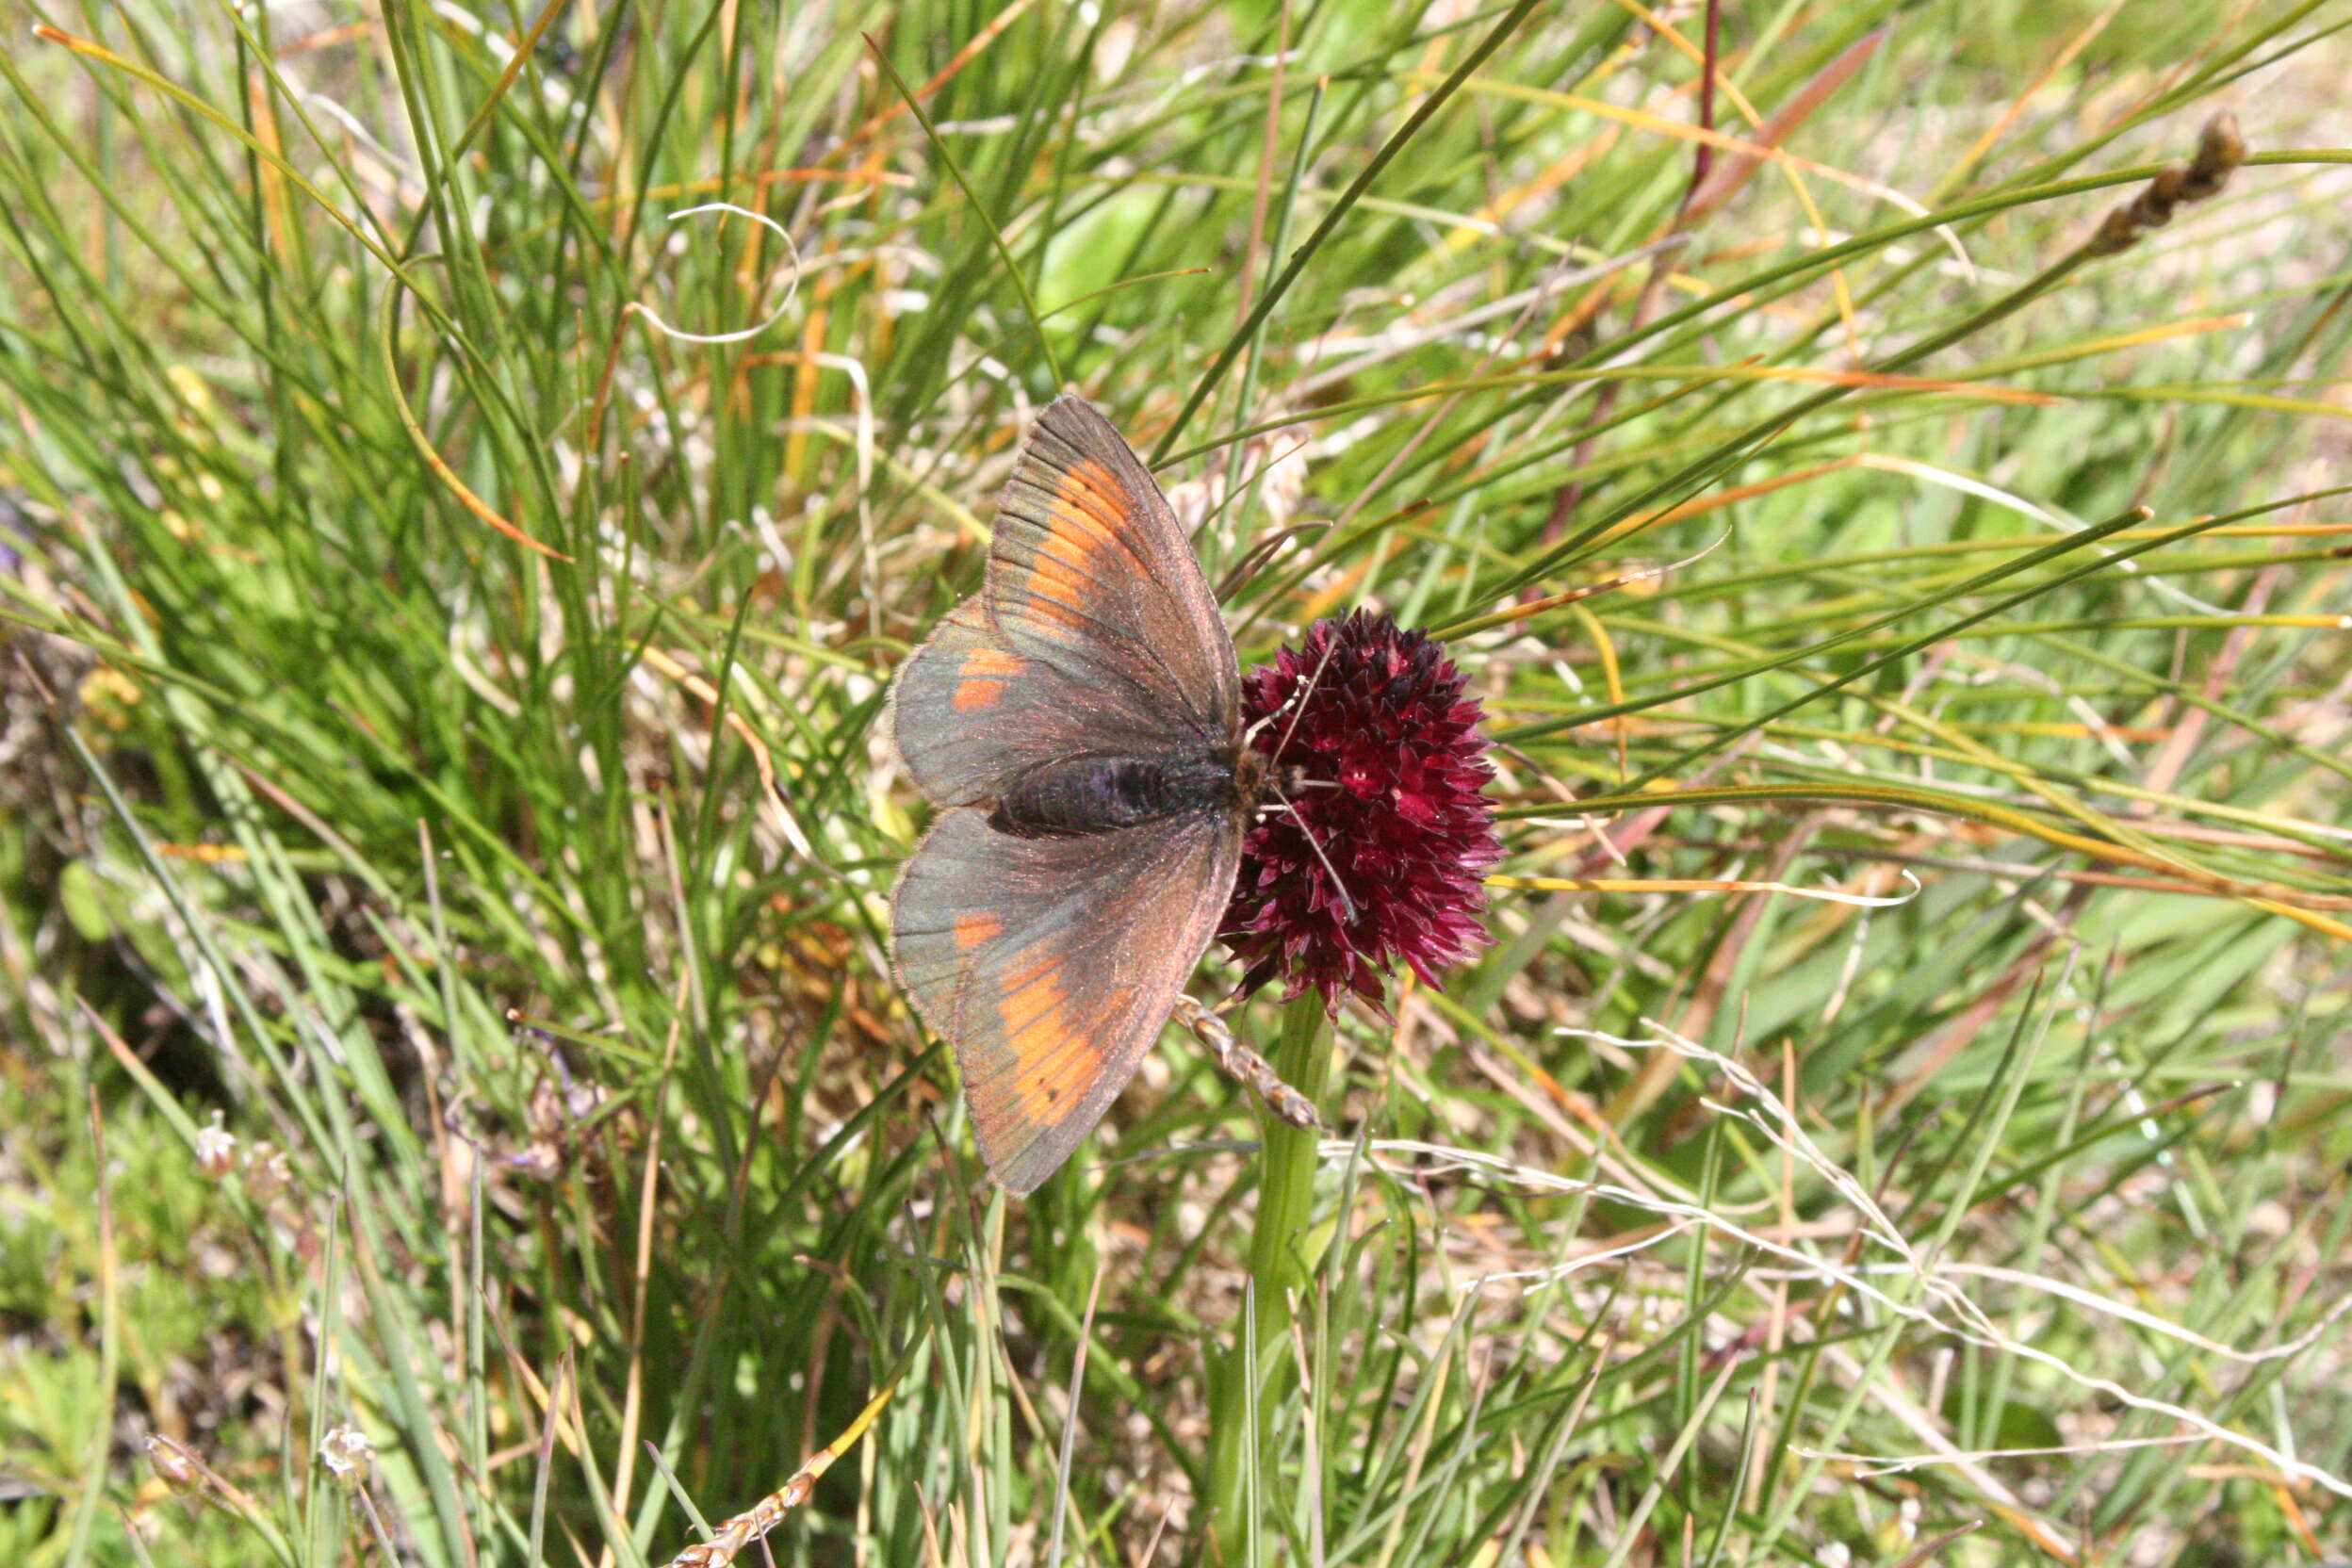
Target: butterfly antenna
{"x": 1347, "y": 904}
{"x": 1296, "y": 703}
{"x": 1331, "y": 645}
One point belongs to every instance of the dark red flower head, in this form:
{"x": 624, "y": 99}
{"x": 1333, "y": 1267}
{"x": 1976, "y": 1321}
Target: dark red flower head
{"x": 1390, "y": 764}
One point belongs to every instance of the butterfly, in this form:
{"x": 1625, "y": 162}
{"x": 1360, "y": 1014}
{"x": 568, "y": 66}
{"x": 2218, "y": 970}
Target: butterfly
{"x": 1079, "y": 721}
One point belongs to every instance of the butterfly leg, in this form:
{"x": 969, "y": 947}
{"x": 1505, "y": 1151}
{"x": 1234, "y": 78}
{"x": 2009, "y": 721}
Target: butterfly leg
{"x": 1238, "y": 1062}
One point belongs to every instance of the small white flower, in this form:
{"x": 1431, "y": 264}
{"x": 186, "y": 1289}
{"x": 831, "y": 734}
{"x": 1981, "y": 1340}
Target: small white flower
{"x": 344, "y": 1451}
{"x": 216, "y": 1149}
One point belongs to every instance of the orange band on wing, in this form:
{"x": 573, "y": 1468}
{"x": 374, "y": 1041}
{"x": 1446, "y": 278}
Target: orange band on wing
{"x": 980, "y": 680}
{"x": 976, "y": 928}
{"x": 991, "y": 663}
{"x": 1057, "y": 581}
{"x": 1036, "y": 1028}
{"x": 1032, "y": 1001}
{"x": 1062, "y": 579}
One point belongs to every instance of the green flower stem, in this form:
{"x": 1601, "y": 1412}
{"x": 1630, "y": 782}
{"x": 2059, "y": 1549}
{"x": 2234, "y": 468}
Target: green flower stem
{"x": 1281, "y": 1260}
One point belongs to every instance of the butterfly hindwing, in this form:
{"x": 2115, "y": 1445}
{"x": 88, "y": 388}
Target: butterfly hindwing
{"x": 1051, "y": 964}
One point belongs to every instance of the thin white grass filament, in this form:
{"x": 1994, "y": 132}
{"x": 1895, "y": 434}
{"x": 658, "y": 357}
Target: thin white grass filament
{"x": 1941, "y": 1305}
{"x": 791, "y": 286}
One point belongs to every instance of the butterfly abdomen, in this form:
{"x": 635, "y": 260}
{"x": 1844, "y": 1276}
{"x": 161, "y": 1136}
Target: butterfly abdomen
{"x": 1103, "y": 794}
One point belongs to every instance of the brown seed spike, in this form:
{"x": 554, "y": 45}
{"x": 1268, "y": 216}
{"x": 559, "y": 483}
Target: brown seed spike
{"x": 2220, "y": 151}
{"x": 729, "y": 1540}
{"x": 1245, "y": 1067}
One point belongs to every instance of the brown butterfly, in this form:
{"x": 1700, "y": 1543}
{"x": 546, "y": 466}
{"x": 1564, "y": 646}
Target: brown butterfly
{"x": 1080, "y": 720}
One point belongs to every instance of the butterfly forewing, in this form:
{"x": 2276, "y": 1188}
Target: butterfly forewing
{"x": 1096, "y": 634}
{"x": 1051, "y": 965}
{"x": 1089, "y": 572}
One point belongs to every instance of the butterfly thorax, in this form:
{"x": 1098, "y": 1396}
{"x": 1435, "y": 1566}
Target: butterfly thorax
{"x": 1104, "y": 794}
